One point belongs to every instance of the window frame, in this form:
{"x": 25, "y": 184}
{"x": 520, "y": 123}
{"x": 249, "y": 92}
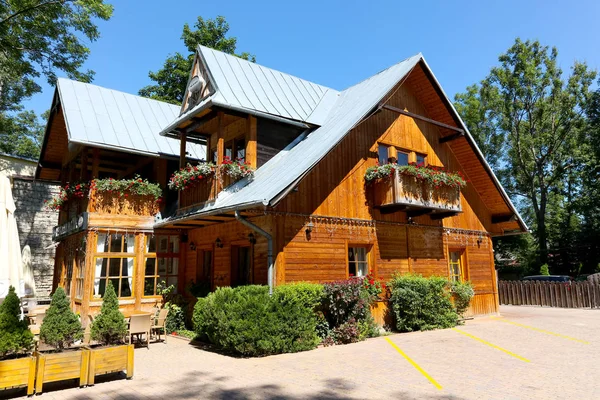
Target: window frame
{"x": 368, "y": 262}
{"x": 115, "y": 255}
{"x": 463, "y": 276}
{"x": 411, "y": 153}
{"x": 157, "y": 255}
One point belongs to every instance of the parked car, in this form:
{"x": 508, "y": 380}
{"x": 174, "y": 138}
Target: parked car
{"x": 548, "y": 278}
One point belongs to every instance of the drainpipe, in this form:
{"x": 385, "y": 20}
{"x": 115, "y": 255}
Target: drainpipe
{"x": 255, "y": 228}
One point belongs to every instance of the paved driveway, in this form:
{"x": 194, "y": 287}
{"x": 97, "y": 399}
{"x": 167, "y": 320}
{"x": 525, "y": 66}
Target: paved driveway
{"x": 528, "y": 353}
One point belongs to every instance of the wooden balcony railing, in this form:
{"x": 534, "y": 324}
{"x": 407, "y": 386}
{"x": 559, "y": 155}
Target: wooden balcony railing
{"x": 110, "y": 203}
{"x": 407, "y": 192}
{"x": 200, "y": 192}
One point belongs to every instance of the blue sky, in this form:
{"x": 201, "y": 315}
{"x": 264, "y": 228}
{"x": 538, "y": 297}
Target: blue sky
{"x": 339, "y": 43}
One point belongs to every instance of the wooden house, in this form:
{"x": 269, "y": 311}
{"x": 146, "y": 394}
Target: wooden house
{"x": 306, "y": 213}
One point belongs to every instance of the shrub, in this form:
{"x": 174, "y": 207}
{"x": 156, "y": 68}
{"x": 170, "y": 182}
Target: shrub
{"x": 348, "y": 332}
{"x": 60, "y": 327}
{"x": 462, "y": 293}
{"x": 544, "y": 270}
{"x": 246, "y": 320}
{"x": 309, "y": 295}
{"x": 109, "y": 327}
{"x": 176, "y": 304}
{"x": 345, "y": 300}
{"x": 15, "y": 336}
{"x": 422, "y": 303}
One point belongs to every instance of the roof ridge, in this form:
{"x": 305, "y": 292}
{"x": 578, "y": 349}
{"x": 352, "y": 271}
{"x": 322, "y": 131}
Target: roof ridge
{"x": 418, "y": 55}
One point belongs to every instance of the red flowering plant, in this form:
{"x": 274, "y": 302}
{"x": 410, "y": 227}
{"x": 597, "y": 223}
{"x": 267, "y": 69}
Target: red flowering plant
{"x": 436, "y": 176}
{"x": 77, "y": 190}
{"x": 236, "y": 169}
{"x": 126, "y": 187}
{"x": 191, "y": 174}
{"x": 374, "y": 287}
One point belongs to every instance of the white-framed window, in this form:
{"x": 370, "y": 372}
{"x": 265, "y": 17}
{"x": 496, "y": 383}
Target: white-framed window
{"x": 161, "y": 262}
{"x": 358, "y": 260}
{"x": 114, "y": 261}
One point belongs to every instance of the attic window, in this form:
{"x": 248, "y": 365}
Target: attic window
{"x": 402, "y": 156}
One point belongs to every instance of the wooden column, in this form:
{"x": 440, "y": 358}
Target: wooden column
{"x": 95, "y": 162}
{"x": 251, "y": 141}
{"x": 182, "y": 151}
{"x": 392, "y": 154}
{"x": 220, "y": 138}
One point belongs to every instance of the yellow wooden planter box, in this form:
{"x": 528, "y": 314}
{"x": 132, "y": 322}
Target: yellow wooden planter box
{"x": 110, "y": 359}
{"x": 52, "y": 367}
{"x": 17, "y": 373}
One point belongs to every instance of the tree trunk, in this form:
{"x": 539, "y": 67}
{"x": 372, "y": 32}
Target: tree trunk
{"x": 542, "y": 233}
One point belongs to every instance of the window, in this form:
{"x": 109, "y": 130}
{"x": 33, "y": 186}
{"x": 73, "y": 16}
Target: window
{"x": 229, "y": 149}
{"x": 382, "y": 152}
{"x": 421, "y": 159}
{"x": 358, "y": 264}
{"x": 80, "y": 278}
{"x": 402, "y": 157}
{"x": 69, "y": 275}
{"x": 161, "y": 255}
{"x": 114, "y": 261}
{"x": 214, "y": 155}
{"x": 456, "y": 267}
{"x": 204, "y": 266}
{"x": 240, "y": 149}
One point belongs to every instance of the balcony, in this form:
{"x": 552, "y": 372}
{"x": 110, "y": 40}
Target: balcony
{"x": 199, "y": 193}
{"x": 417, "y": 197}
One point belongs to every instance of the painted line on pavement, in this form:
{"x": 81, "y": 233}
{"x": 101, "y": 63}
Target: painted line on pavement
{"x": 510, "y": 353}
{"x": 414, "y": 364}
{"x": 533, "y": 328}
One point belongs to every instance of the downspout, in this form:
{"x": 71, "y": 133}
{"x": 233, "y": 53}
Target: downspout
{"x": 256, "y": 228}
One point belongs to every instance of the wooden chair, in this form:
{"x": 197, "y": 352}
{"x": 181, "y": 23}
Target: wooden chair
{"x": 140, "y": 325}
{"x": 161, "y": 323}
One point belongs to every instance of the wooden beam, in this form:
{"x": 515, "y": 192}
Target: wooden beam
{"x": 422, "y": 118}
{"x": 182, "y": 151}
{"x": 251, "y": 141}
{"x": 498, "y": 219}
{"x": 220, "y": 138}
{"x": 199, "y": 122}
{"x": 451, "y": 137}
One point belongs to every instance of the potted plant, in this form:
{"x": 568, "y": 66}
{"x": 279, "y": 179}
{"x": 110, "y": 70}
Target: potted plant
{"x": 109, "y": 329}
{"x": 60, "y": 329}
{"x": 17, "y": 367}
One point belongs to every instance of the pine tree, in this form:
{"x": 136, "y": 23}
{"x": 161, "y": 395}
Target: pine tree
{"x": 15, "y": 336}
{"x": 61, "y": 327}
{"x": 109, "y": 327}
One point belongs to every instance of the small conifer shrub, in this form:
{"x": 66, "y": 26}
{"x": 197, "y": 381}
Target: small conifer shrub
{"x": 61, "y": 327}
{"x": 15, "y": 336}
{"x": 109, "y": 327}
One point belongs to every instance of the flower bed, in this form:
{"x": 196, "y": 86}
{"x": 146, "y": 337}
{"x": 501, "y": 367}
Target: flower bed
{"x": 435, "y": 176}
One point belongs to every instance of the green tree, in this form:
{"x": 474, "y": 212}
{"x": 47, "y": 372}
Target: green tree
{"x": 39, "y": 38}
{"x": 109, "y": 327}
{"x": 61, "y": 327}
{"x": 15, "y": 336}
{"x": 544, "y": 270}
{"x": 171, "y": 80}
{"x": 534, "y": 118}
{"x": 21, "y": 134}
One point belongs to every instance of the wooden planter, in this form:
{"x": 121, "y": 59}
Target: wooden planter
{"x": 53, "y": 367}
{"x": 110, "y": 359}
{"x": 18, "y": 373}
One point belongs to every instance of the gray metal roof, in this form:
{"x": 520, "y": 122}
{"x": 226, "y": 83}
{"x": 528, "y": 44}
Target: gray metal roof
{"x": 289, "y": 165}
{"x": 102, "y": 117}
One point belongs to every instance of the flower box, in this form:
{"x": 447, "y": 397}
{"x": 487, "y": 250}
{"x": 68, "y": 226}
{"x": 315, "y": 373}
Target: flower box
{"x": 126, "y": 204}
{"x": 18, "y": 373}
{"x": 53, "y": 367}
{"x": 105, "y": 360}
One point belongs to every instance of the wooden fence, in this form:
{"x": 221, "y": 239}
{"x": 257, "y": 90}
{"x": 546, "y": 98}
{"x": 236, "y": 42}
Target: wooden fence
{"x": 550, "y": 294}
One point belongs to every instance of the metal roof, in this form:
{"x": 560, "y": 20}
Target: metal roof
{"x": 102, "y": 117}
{"x": 292, "y": 163}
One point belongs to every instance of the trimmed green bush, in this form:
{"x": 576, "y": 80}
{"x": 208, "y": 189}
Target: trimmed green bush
{"x": 309, "y": 295}
{"x": 61, "y": 327}
{"x": 15, "y": 336}
{"x": 109, "y": 327}
{"x": 462, "y": 293}
{"x": 421, "y": 304}
{"x": 247, "y": 321}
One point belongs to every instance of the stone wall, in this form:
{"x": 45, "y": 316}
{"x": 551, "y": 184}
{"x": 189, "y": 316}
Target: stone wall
{"x": 35, "y": 225}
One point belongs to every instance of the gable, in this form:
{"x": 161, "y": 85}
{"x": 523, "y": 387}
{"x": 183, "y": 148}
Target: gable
{"x": 199, "y": 86}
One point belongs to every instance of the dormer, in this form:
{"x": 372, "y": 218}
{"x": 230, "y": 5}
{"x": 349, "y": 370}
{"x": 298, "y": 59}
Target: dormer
{"x": 243, "y": 113}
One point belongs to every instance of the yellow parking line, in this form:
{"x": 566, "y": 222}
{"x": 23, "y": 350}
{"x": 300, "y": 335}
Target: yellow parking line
{"x": 533, "y": 328}
{"x": 414, "y": 364}
{"x": 491, "y": 345}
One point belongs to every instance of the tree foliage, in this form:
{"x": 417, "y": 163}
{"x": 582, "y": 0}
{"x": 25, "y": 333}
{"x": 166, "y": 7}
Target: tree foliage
{"x": 15, "y": 336}
{"x": 529, "y": 119}
{"x": 39, "y": 38}
{"x": 61, "y": 327}
{"x": 171, "y": 79}
{"x": 109, "y": 327}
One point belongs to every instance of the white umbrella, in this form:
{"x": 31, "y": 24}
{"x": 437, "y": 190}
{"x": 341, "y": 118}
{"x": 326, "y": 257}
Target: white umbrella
{"x": 11, "y": 269}
{"x": 28, "y": 278}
